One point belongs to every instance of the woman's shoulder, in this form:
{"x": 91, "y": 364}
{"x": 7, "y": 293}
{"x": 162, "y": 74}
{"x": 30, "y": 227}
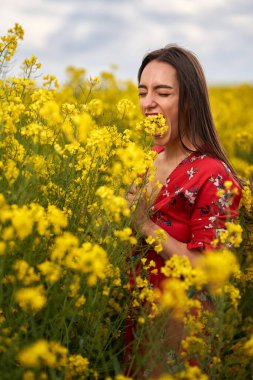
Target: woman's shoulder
{"x": 211, "y": 168}
{"x": 208, "y": 163}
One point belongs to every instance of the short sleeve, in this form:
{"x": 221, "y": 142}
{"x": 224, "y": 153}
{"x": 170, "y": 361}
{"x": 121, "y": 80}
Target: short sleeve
{"x": 213, "y": 208}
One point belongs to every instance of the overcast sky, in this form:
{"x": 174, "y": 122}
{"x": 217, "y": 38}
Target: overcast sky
{"x": 93, "y": 34}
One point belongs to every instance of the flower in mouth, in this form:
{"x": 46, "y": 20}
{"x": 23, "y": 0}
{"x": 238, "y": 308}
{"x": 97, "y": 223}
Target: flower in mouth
{"x": 154, "y": 125}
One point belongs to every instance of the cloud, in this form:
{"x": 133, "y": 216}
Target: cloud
{"x": 96, "y": 33}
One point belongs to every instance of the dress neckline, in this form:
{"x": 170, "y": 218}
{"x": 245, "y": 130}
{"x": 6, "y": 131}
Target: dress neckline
{"x": 168, "y": 178}
{"x": 160, "y": 149}
{"x": 182, "y": 162}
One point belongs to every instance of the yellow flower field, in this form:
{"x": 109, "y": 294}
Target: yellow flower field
{"x": 69, "y": 155}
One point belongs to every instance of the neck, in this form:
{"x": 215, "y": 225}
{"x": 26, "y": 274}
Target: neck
{"x": 176, "y": 150}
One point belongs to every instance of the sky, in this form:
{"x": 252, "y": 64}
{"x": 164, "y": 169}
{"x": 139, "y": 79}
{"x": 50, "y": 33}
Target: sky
{"x": 95, "y": 34}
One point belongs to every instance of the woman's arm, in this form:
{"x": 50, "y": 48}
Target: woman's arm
{"x": 170, "y": 246}
{"x": 143, "y": 224}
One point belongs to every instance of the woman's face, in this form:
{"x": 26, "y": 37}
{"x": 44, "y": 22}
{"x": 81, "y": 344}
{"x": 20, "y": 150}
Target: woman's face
{"x": 159, "y": 94}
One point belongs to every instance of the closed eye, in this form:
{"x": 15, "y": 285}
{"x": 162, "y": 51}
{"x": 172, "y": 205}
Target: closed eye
{"x": 142, "y": 94}
{"x": 165, "y": 95}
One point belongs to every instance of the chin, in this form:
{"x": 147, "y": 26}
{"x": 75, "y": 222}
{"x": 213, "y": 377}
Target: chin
{"x": 162, "y": 140}
{"x": 159, "y": 141}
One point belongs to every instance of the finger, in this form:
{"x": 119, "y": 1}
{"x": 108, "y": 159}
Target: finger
{"x": 133, "y": 189}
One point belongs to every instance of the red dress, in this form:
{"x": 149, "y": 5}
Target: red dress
{"x": 189, "y": 209}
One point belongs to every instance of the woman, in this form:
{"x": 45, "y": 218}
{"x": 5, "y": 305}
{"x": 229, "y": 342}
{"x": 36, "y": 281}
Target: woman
{"x": 191, "y": 164}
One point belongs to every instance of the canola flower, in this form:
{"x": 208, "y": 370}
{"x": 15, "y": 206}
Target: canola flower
{"x": 25, "y": 273}
{"x": 173, "y": 296}
{"x": 209, "y": 270}
{"x": 77, "y": 366}
{"x": 160, "y": 236}
{"x": 231, "y": 235}
{"x": 51, "y": 354}
{"x": 9, "y": 43}
{"x": 114, "y": 206}
{"x": 31, "y": 298}
{"x": 50, "y": 270}
{"x": 180, "y": 267}
{"x": 246, "y": 199}
{"x": 126, "y": 235}
{"x": 154, "y": 125}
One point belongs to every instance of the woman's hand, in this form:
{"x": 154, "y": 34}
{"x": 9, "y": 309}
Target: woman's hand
{"x": 143, "y": 224}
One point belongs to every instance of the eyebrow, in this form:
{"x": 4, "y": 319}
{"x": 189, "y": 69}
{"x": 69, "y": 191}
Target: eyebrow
{"x": 156, "y": 87}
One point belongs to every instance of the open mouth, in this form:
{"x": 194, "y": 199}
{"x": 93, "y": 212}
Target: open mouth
{"x": 157, "y": 134}
{"x": 152, "y": 114}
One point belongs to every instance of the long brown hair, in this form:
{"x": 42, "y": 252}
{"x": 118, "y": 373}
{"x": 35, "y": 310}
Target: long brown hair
{"x": 194, "y": 102}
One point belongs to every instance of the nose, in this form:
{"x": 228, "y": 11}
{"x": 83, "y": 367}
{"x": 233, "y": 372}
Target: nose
{"x": 148, "y": 103}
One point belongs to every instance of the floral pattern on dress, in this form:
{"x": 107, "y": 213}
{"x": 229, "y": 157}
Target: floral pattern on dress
{"x": 191, "y": 172}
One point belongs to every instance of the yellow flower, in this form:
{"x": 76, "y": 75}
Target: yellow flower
{"x": 228, "y": 184}
{"x": 94, "y": 81}
{"x": 17, "y": 30}
{"x": 50, "y": 354}
{"x": 80, "y": 302}
{"x": 232, "y": 235}
{"x": 160, "y": 236}
{"x": 173, "y": 296}
{"x": 50, "y": 81}
{"x": 150, "y": 240}
{"x": 28, "y": 375}
{"x": 122, "y": 377}
{"x": 153, "y": 125}
{"x": 22, "y": 222}
{"x": 83, "y": 124}
{"x": 95, "y": 107}
{"x": 50, "y": 112}
{"x": 141, "y": 320}
{"x": 11, "y": 171}
{"x": 125, "y": 235}
{"x": 31, "y": 65}
{"x": 2, "y": 317}
{"x": 90, "y": 259}
{"x": 125, "y": 107}
{"x": 165, "y": 377}
{"x": 115, "y": 206}
{"x": 246, "y": 200}
{"x": 192, "y": 372}
{"x": 63, "y": 244}
{"x": 50, "y": 270}
{"x": 215, "y": 268}
{"x": 77, "y": 367}
{"x": 8, "y": 233}
{"x": 74, "y": 286}
{"x": 25, "y": 273}
{"x": 234, "y": 294}
{"x": 31, "y": 298}
{"x": 133, "y": 163}
{"x": 180, "y": 268}
{"x": 141, "y": 282}
{"x": 56, "y": 218}
{"x": 8, "y": 44}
